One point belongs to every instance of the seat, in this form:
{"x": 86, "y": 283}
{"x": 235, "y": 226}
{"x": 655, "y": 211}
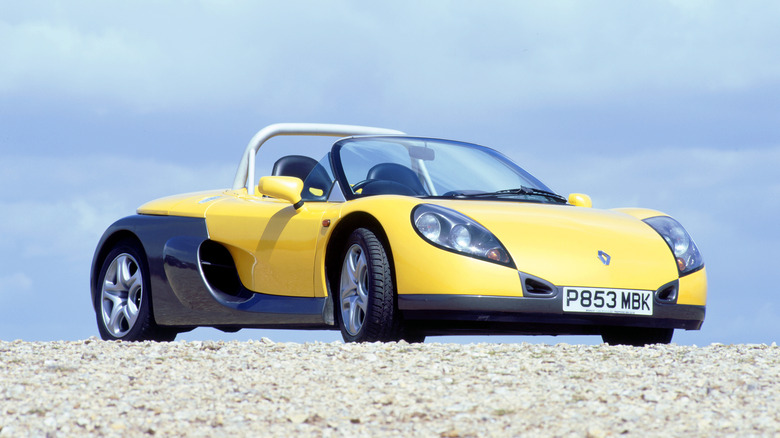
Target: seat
{"x": 317, "y": 185}
{"x": 298, "y": 166}
{"x": 316, "y": 181}
{"x": 397, "y": 173}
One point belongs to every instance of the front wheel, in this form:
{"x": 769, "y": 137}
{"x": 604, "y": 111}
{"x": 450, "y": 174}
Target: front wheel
{"x": 636, "y": 336}
{"x": 123, "y": 303}
{"x": 366, "y": 299}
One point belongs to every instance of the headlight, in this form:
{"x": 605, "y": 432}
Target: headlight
{"x": 456, "y": 232}
{"x": 429, "y": 226}
{"x": 685, "y": 251}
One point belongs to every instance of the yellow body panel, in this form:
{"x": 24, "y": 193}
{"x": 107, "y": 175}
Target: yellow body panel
{"x": 693, "y": 289}
{"x": 557, "y": 243}
{"x": 639, "y": 213}
{"x": 272, "y": 243}
{"x": 189, "y": 204}
{"x": 561, "y": 244}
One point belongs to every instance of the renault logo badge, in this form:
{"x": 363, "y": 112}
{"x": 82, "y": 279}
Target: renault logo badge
{"x": 604, "y": 257}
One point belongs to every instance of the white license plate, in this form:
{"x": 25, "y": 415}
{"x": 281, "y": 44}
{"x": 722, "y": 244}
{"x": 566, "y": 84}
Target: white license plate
{"x": 594, "y": 300}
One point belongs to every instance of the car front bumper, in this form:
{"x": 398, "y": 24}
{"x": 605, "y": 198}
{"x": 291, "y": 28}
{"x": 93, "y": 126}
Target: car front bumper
{"x": 440, "y": 314}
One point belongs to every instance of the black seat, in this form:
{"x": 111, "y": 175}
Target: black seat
{"x": 317, "y": 185}
{"x": 397, "y": 173}
{"x": 316, "y": 181}
{"x": 298, "y": 166}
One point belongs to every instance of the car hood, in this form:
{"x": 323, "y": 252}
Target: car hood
{"x": 574, "y": 246}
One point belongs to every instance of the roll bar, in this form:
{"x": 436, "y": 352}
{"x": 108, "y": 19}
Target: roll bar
{"x": 245, "y": 175}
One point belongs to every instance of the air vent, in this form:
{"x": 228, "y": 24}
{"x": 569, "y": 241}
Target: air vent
{"x": 220, "y": 272}
{"x": 667, "y": 293}
{"x": 535, "y": 287}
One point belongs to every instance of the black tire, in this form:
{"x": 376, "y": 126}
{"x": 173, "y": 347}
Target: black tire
{"x": 413, "y": 336}
{"x": 123, "y": 305}
{"x": 636, "y": 336}
{"x": 365, "y": 300}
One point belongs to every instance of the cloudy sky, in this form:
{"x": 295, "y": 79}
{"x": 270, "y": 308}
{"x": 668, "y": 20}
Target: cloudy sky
{"x": 671, "y": 105}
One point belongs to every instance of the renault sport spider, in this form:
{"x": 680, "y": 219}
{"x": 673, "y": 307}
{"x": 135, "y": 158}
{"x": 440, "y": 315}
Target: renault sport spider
{"x": 393, "y": 237}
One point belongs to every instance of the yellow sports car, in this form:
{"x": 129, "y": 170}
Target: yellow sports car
{"x": 392, "y": 237}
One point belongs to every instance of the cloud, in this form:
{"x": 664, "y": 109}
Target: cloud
{"x": 55, "y": 205}
{"x": 153, "y": 56}
{"x": 707, "y": 178}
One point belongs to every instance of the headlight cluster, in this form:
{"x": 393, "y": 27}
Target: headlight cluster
{"x": 453, "y": 231}
{"x": 685, "y": 251}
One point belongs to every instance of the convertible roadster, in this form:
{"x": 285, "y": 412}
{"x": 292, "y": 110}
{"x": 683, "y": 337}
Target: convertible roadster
{"x": 392, "y": 237}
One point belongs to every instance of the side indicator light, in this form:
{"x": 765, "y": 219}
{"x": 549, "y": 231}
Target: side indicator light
{"x": 326, "y": 223}
{"x": 497, "y": 254}
{"x": 680, "y": 264}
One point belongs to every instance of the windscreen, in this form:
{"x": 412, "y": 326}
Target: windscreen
{"x": 428, "y": 167}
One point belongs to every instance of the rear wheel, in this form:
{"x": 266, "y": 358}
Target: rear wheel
{"x": 123, "y": 303}
{"x": 636, "y": 336}
{"x": 366, "y": 300}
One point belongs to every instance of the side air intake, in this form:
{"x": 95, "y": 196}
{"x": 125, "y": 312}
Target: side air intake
{"x": 219, "y": 271}
{"x": 668, "y": 292}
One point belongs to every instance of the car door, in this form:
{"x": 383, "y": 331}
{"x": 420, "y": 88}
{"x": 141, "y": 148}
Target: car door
{"x": 272, "y": 243}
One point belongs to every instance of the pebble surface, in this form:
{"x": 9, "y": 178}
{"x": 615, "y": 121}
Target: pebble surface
{"x": 193, "y": 389}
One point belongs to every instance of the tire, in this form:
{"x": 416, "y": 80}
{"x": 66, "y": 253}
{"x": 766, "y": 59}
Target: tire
{"x": 413, "y": 337}
{"x": 123, "y": 301}
{"x": 636, "y": 336}
{"x": 366, "y": 309}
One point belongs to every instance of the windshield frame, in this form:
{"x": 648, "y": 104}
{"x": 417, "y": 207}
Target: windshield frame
{"x": 340, "y": 174}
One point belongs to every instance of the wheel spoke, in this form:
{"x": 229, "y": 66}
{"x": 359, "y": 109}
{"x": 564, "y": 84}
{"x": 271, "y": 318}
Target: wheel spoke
{"x": 356, "y": 261}
{"x": 117, "y": 297}
{"x": 115, "y": 319}
{"x": 348, "y": 290}
{"x": 362, "y": 297}
{"x": 356, "y": 317}
{"x": 134, "y": 281}
{"x": 123, "y": 272}
{"x": 130, "y": 314}
{"x": 360, "y": 279}
{"x": 133, "y": 302}
{"x": 346, "y": 298}
{"x": 111, "y": 281}
{"x": 111, "y": 286}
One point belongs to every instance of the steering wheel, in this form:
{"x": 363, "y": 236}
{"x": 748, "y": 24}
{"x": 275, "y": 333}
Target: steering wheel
{"x": 360, "y": 184}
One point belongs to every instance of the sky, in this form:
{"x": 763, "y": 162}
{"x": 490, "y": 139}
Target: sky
{"x": 670, "y": 105}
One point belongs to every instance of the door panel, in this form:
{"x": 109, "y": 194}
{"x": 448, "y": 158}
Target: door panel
{"x": 272, "y": 244}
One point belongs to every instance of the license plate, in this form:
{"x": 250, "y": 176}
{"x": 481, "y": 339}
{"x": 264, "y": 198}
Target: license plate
{"x": 593, "y": 300}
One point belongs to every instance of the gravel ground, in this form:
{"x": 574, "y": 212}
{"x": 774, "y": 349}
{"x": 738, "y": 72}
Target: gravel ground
{"x": 99, "y": 388}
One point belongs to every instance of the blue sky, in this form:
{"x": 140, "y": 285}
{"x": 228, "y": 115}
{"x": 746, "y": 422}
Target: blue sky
{"x": 671, "y": 105}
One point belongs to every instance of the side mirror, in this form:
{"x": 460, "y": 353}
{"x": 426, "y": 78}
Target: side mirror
{"x": 580, "y": 200}
{"x": 286, "y": 188}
